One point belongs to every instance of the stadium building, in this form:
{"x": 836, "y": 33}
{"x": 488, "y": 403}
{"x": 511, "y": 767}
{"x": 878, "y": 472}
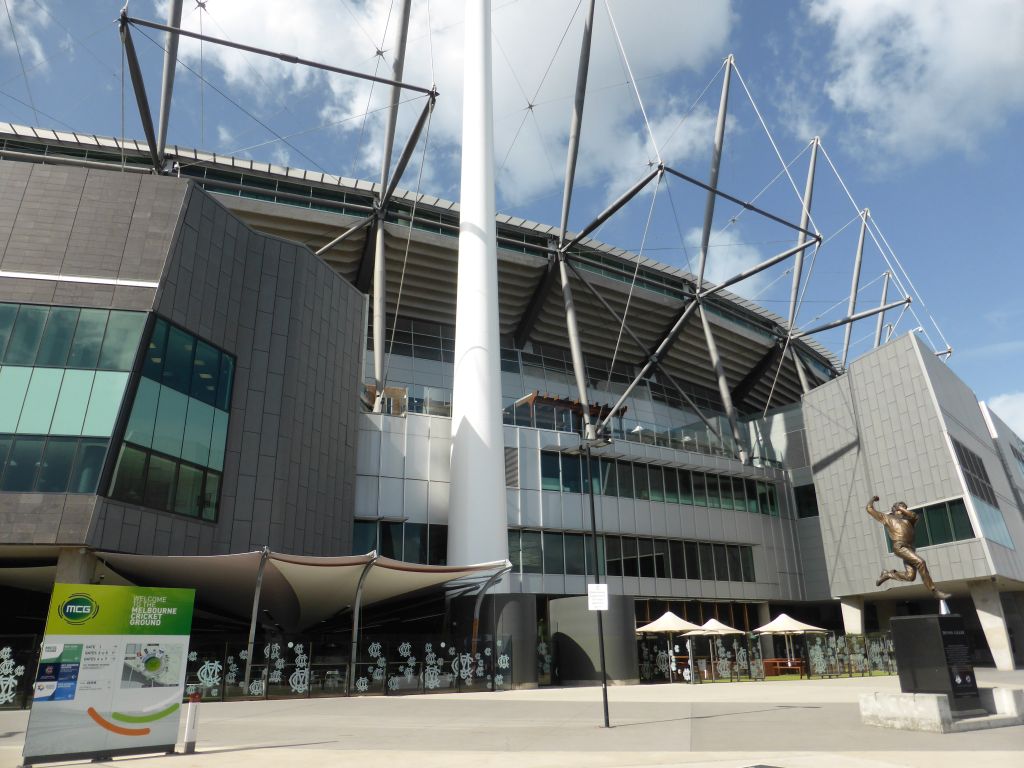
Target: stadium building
{"x": 191, "y": 365}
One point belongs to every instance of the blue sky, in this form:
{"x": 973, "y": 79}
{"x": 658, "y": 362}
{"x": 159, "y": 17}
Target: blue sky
{"x": 920, "y": 107}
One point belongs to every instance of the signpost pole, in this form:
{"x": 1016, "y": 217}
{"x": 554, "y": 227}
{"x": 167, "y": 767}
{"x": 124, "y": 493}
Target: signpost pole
{"x": 597, "y": 581}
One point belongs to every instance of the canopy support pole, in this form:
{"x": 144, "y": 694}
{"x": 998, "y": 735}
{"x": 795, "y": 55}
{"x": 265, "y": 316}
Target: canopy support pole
{"x": 255, "y": 613}
{"x": 356, "y": 609}
{"x": 479, "y": 601}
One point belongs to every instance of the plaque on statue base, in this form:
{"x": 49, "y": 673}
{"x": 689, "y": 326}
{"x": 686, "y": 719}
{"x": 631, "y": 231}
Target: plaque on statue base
{"x": 933, "y": 656}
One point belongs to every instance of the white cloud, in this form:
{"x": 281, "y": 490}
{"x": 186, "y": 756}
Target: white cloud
{"x": 919, "y": 78}
{"x": 728, "y": 255}
{"x": 526, "y": 67}
{"x": 29, "y": 18}
{"x": 1010, "y": 408}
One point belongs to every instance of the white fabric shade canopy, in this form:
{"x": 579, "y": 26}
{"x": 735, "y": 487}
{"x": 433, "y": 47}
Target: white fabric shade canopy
{"x": 784, "y": 625}
{"x": 669, "y": 623}
{"x": 715, "y": 627}
{"x": 297, "y": 592}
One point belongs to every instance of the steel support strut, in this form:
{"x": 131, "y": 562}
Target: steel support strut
{"x": 139, "y": 86}
{"x": 716, "y": 163}
{"x": 380, "y": 274}
{"x": 723, "y": 387}
{"x": 286, "y": 57}
{"x": 805, "y": 217}
{"x": 855, "y": 284}
{"x": 881, "y": 313}
{"x": 167, "y": 84}
{"x": 853, "y": 318}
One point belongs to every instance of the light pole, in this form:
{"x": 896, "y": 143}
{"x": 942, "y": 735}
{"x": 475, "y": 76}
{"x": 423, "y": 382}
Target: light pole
{"x": 597, "y": 577}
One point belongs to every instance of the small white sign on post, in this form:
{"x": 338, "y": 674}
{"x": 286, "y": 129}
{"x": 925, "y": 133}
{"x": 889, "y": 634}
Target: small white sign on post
{"x": 597, "y": 597}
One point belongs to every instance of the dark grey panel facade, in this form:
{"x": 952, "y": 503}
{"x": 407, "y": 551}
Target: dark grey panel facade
{"x": 295, "y": 327}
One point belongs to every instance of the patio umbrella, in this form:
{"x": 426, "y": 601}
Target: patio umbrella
{"x": 713, "y": 627}
{"x": 787, "y": 627}
{"x": 668, "y": 624}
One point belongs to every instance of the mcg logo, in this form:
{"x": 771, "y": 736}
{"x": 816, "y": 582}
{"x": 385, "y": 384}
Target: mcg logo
{"x": 78, "y": 609}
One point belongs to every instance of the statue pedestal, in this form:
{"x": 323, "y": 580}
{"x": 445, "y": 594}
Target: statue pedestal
{"x": 933, "y": 656}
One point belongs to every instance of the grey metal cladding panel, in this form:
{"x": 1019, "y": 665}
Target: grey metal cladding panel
{"x": 97, "y": 239}
{"x": 153, "y": 225}
{"x": 872, "y": 431}
{"x": 23, "y": 291}
{"x": 44, "y": 518}
{"x": 39, "y": 239}
{"x": 13, "y": 182}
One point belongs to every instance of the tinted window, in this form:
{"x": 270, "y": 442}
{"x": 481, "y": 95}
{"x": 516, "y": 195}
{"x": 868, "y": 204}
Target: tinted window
{"x": 550, "y": 475}
{"x": 56, "y": 341}
{"x": 572, "y": 468}
{"x": 391, "y": 540}
{"x": 88, "y": 465}
{"x": 153, "y": 365}
{"x": 205, "y": 373}
{"x": 415, "y": 543}
{"x": 531, "y": 552}
{"x": 438, "y": 544}
{"x": 55, "y": 469}
{"x": 629, "y": 557}
{"x": 554, "y": 558}
{"x": 188, "y": 499}
{"x": 575, "y": 557}
{"x": 85, "y": 349}
{"x": 129, "y": 483}
{"x": 122, "y": 340}
{"x": 28, "y": 330}
{"x": 160, "y": 479}
{"x": 22, "y": 464}
{"x": 364, "y": 536}
{"x": 8, "y": 312}
{"x": 177, "y": 372}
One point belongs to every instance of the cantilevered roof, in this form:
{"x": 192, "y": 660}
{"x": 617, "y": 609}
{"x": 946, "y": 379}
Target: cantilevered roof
{"x": 313, "y": 208}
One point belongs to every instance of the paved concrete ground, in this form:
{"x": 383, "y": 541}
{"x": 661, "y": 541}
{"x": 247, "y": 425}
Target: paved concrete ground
{"x": 793, "y": 724}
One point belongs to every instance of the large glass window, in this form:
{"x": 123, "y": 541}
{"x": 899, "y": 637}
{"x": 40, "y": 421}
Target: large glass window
{"x": 575, "y": 555}
{"x": 613, "y": 555}
{"x": 28, "y": 330}
{"x": 661, "y": 565}
{"x": 121, "y": 341}
{"x": 554, "y": 559}
{"x": 188, "y": 499}
{"x": 714, "y": 497}
{"x": 85, "y": 348}
{"x": 22, "y": 464}
{"x": 55, "y": 468}
{"x": 572, "y": 478}
{"x": 73, "y": 402}
{"x": 692, "y": 560}
{"x": 700, "y": 492}
{"x": 806, "y": 501}
{"x": 671, "y": 486}
{"x": 678, "y": 560}
{"x": 56, "y": 341}
{"x": 415, "y": 540}
{"x": 8, "y": 313}
{"x": 550, "y": 472}
{"x": 707, "y": 562}
{"x": 641, "y": 482}
{"x": 13, "y": 386}
{"x": 104, "y": 402}
{"x": 625, "y": 477}
{"x": 629, "y": 557}
{"x": 129, "y": 482}
{"x": 88, "y": 465}
{"x": 364, "y": 536}
{"x": 531, "y": 552}
{"x": 40, "y": 400}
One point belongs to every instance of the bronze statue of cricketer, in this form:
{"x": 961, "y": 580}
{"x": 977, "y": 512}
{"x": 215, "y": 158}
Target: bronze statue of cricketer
{"x": 899, "y": 524}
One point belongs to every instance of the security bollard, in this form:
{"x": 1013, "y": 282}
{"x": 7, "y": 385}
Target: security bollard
{"x": 191, "y": 722}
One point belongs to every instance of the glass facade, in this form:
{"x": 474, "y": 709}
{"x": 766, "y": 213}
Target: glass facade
{"x": 649, "y": 482}
{"x": 172, "y": 455}
{"x": 941, "y": 523}
{"x": 993, "y": 526}
{"x": 63, "y": 374}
